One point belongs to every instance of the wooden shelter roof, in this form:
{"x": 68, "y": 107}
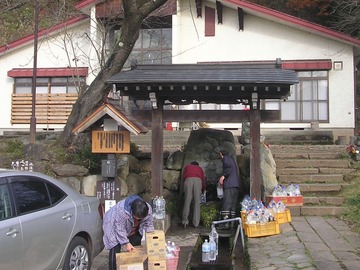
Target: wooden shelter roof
{"x": 182, "y": 84}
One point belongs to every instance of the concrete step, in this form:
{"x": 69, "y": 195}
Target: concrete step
{"x": 312, "y": 163}
{"x": 312, "y": 178}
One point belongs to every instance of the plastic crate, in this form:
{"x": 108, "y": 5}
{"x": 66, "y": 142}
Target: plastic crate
{"x": 262, "y": 229}
{"x": 243, "y": 218}
{"x": 283, "y": 217}
{"x": 172, "y": 263}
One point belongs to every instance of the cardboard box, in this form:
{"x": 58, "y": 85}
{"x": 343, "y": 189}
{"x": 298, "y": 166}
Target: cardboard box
{"x": 262, "y": 229}
{"x": 131, "y": 260}
{"x": 288, "y": 200}
{"x": 157, "y": 265}
{"x": 155, "y": 245}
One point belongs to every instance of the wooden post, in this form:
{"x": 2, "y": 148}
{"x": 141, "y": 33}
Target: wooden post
{"x": 157, "y": 151}
{"x": 255, "y": 170}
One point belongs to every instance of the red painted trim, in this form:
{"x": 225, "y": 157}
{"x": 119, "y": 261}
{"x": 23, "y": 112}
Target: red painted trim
{"x": 307, "y": 64}
{"x": 48, "y": 72}
{"x": 86, "y": 3}
{"x": 295, "y": 21}
{"x": 30, "y": 38}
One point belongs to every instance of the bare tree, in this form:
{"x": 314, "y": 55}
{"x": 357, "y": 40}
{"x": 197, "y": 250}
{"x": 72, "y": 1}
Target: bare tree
{"x": 135, "y": 12}
{"x": 347, "y": 14}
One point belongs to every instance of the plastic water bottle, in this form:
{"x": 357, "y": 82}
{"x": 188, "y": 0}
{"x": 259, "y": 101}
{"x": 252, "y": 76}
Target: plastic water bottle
{"x": 212, "y": 256}
{"x": 154, "y": 205}
{"x": 297, "y": 191}
{"x": 158, "y": 209}
{"x": 205, "y": 248}
{"x": 214, "y": 234}
{"x": 162, "y": 207}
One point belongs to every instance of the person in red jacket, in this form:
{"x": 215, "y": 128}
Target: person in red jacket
{"x": 193, "y": 178}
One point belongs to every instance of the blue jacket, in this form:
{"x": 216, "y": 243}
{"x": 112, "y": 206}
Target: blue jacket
{"x": 230, "y": 172}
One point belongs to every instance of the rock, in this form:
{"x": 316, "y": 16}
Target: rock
{"x": 88, "y": 186}
{"x": 65, "y": 170}
{"x": 145, "y": 165}
{"x": 171, "y": 179}
{"x": 175, "y": 161}
{"x": 73, "y": 182}
{"x": 123, "y": 166}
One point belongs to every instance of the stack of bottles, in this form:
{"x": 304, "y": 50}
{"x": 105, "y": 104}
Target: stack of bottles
{"x": 172, "y": 255}
{"x": 209, "y": 250}
{"x": 159, "y": 205}
{"x": 290, "y": 190}
{"x": 256, "y": 212}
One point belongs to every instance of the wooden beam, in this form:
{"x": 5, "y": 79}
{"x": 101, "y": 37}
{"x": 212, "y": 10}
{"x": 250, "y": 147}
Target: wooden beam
{"x": 157, "y": 151}
{"x": 255, "y": 173}
{"x": 212, "y": 116}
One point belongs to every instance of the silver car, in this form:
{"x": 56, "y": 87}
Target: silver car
{"x": 45, "y": 224}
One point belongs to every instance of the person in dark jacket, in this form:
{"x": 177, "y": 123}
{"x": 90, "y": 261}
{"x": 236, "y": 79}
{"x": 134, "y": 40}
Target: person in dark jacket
{"x": 124, "y": 224}
{"x": 230, "y": 182}
{"x": 193, "y": 177}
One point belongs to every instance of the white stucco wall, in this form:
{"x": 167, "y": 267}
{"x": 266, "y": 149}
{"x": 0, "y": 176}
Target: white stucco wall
{"x": 53, "y": 52}
{"x": 265, "y": 40}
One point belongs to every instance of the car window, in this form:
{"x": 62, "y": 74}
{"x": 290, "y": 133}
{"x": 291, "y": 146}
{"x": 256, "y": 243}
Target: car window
{"x": 5, "y": 207}
{"x": 56, "y": 194}
{"x": 30, "y": 194}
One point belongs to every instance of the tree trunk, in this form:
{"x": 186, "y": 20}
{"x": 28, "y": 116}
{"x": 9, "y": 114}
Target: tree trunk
{"x": 92, "y": 97}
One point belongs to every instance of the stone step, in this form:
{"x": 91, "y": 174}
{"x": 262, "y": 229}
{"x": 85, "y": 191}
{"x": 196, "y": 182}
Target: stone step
{"x": 296, "y": 171}
{"x": 321, "y": 210}
{"x": 312, "y": 178}
{"x": 327, "y": 155}
{"x": 316, "y": 210}
{"x": 321, "y": 188}
{"x": 337, "y": 201}
{"x": 314, "y": 171}
{"x": 313, "y": 163}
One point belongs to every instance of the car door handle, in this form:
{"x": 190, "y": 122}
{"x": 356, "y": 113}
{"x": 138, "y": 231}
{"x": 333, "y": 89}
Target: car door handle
{"x": 12, "y": 232}
{"x": 67, "y": 216}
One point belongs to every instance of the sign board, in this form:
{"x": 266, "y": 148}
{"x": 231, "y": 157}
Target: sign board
{"x": 110, "y": 142}
{"x": 108, "y": 190}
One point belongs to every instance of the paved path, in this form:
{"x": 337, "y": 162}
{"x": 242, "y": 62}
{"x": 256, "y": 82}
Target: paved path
{"x": 307, "y": 243}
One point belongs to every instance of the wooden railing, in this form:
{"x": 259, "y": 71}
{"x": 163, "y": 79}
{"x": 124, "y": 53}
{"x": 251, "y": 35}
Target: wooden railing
{"x": 49, "y": 108}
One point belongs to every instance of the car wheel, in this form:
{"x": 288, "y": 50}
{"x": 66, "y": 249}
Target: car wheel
{"x": 77, "y": 255}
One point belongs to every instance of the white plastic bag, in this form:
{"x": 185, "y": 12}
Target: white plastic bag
{"x": 220, "y": 192}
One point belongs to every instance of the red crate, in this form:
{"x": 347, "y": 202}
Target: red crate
{"x": 288, "y": 200}
{"x": 172, "y": 263}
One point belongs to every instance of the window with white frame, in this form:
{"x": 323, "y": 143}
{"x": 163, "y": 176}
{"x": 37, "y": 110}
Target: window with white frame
{"x": 49, "y": 85}
{"x": 309, "y": 99}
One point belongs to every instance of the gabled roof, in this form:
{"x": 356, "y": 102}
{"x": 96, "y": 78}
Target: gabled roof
{"x": 121, "y": 117}
{"x": 283, "y": 18}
